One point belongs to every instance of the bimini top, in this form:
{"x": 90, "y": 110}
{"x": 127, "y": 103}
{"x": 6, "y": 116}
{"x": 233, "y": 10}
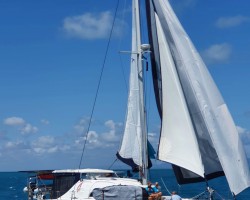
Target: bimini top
{"x": 83, "y": 171}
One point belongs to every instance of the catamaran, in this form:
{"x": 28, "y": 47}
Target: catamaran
{"x": 198, "y": 135}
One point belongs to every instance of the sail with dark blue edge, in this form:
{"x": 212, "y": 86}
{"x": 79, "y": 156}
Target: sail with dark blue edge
{"x": 133, "y": 150}
{"x": 153, "y": 8}
{"x": 132, "y": 164}
{"x": 128, "y": 161}
{"x": 184, "y": 87}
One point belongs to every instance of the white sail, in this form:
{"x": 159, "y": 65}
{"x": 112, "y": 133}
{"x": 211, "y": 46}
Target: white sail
{"x": 198, "y": 135}
{"x": 178, "y": 143}
{"x": 132, "y": 143}
{"x": 218, "y": 140}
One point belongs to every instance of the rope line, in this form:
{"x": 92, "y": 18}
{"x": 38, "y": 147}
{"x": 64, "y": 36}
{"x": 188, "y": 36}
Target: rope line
{"x": 99, "y": 83}
{"x": 165, "y": 186}
{"x": 112, "y": 164}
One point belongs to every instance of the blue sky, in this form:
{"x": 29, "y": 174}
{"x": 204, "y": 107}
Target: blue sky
{"x": 51, "y": 54}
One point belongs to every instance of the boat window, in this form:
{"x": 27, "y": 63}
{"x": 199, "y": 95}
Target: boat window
{"x": 84, "y": 176}
{"x": 98, "y": 175}
{"x": 63, "y": 182}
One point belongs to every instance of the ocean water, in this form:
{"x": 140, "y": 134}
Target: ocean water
{"x": 12, "y": 184}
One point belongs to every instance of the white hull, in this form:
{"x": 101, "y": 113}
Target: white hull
{"x": 169, "y": 198}
{"x": 88, "y": 180}
{"x": 74, "y": 184}
{"x": 83, "y": 189}
{"x": 162, "y": 198}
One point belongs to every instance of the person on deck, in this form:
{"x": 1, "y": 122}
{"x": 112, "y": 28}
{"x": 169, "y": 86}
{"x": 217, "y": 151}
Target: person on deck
{"x": 175, "y": 196}
{"x": 158, "y": 186}
{"x": 153, "y": 192}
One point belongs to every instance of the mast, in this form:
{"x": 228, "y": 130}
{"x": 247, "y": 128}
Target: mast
{"x": 134, "y": 146}
{"x": 144, "y": 149}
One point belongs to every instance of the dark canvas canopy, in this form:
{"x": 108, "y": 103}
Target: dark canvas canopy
{"x": 120, "y": 192}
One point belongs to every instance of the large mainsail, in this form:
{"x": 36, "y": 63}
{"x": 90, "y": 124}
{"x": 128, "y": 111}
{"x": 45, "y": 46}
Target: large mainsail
{"x": 180, "y": 148}
{"x": 199, "y": 115}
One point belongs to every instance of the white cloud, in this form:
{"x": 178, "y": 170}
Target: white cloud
{"x": 110, "y": 124}
{"x": 44, "y": 142}
{"x": 92, "y": 26}
{"x": 152, "y": 137}
{"x": 188, "y": 3}
{"x": 81, "y": 126}
{"x": 114, "y": 133}
{"x": 245, "y": 138}
{"x": 228, "y": 22}
{"x": 16, "y": 145}
{"x": 93, "y": 139}
{"x": 65, "y": 147}
{"x": 14, "y": 121}
{"x": 244, "y": 135}
{"x": 24, "y": 127}
{"x": 103, "y": 139}
{"x": 28, "y": 129}
{"x": 39, "y": 150}
{"x": 45, "y": 121}
{"x": 240, "y": 130}
{"x": 183, "y": 5}
{"x": 53, "y": 149}
{"x": 48, "y": 144}
{"x": 217, "y": 53}
{"x": 10, "y": 144}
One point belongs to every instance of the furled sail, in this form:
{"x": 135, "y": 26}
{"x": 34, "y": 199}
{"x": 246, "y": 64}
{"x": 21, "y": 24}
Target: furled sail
{"x": 195, "y": 118}
{"x": 133, "y": 145}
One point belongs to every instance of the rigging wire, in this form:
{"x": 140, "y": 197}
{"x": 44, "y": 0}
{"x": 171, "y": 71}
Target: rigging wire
{"x": 112, "y": 164}
{"x": 165, "y": 186}
{"x": 99, "y": 83}
{"x": 123, "y": 72}
{"x": 121, "y": 62}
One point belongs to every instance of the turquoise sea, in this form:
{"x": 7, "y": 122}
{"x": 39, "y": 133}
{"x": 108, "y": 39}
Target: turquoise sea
{"x": 12, "y": 184}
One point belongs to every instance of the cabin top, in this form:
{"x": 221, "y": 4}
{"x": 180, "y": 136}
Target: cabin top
{"x": 83, "y": 171}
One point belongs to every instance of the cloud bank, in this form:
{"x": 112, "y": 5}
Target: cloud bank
{"x": 92, "y": 26}
{"x": 229, "y": 22}
{"x": 54, "y": 149}
{"x": 183, "y": 5}
{"x": 14, "y": 121}
{"x": 217, "y": 53}
{"x": 24, "y": 127}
